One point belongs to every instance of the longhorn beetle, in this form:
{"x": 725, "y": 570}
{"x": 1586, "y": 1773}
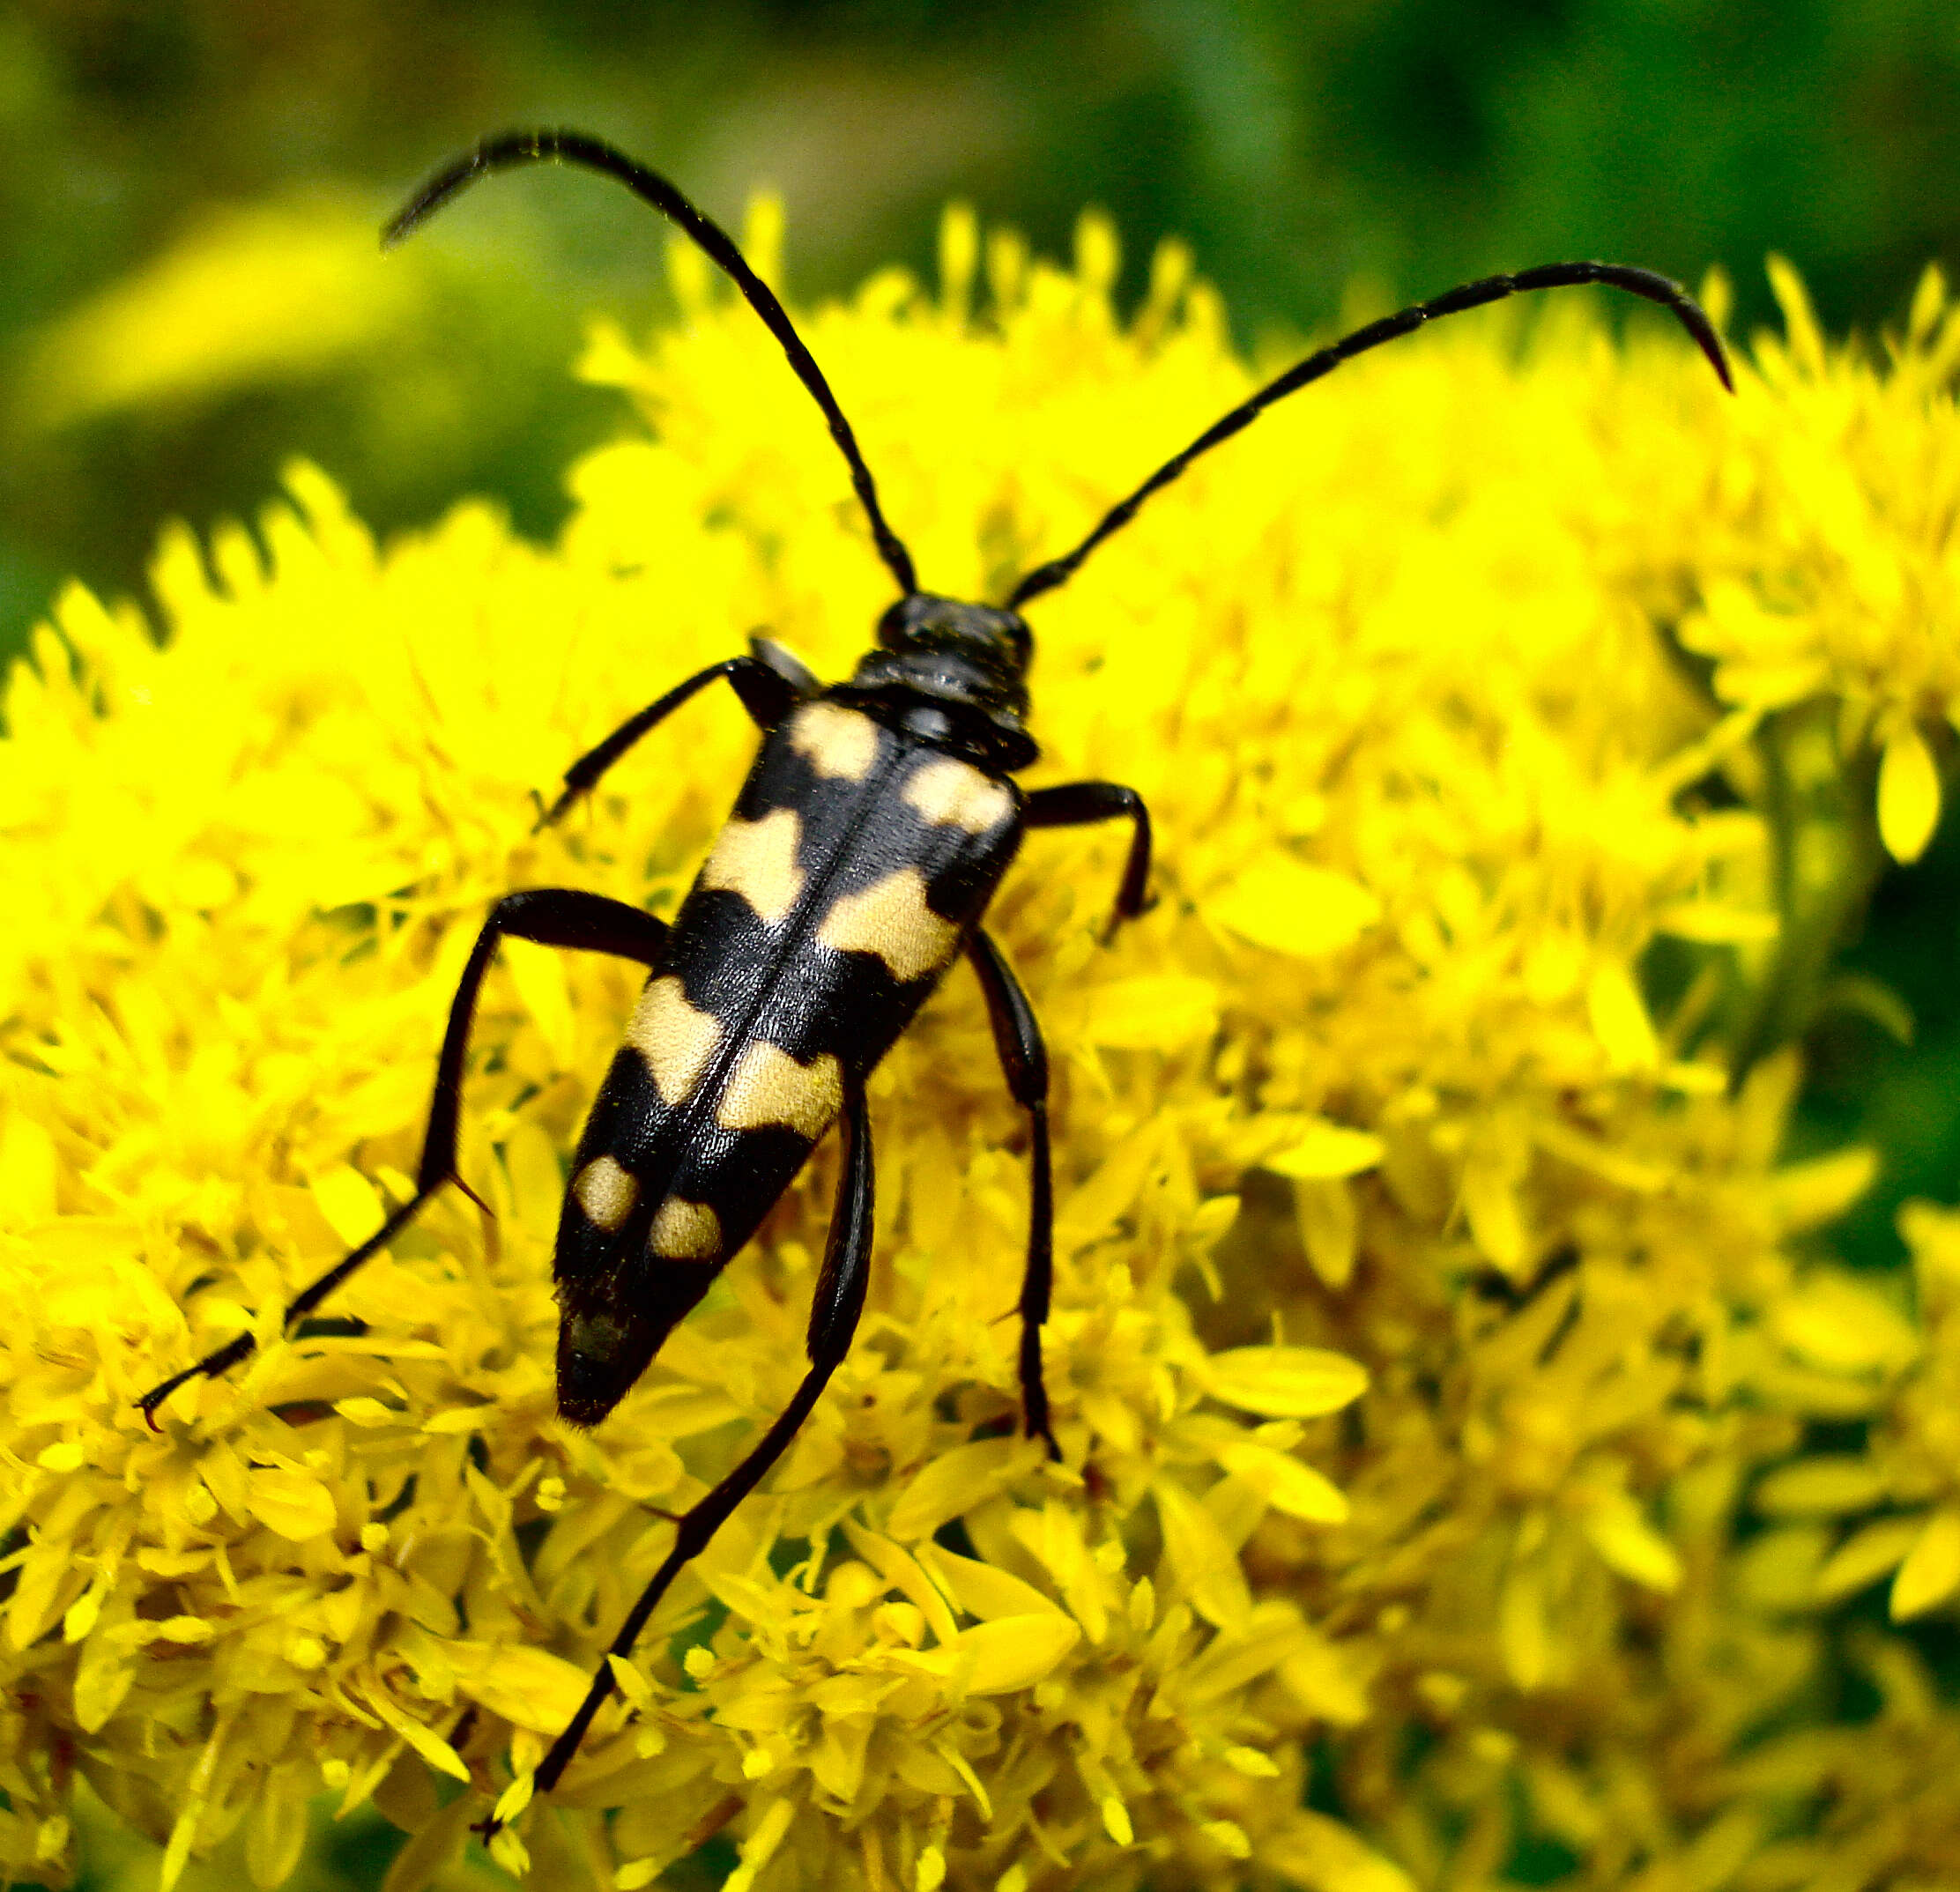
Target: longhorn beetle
{"x": 874, "y": 825}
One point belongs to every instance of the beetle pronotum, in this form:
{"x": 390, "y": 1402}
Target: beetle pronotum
{"x": 864, "y": 849}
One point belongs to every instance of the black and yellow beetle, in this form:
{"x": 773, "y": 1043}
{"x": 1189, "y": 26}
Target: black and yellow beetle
{"x": 858, "y": 865}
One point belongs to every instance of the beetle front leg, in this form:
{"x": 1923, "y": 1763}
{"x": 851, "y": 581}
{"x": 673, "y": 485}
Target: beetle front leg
{"x": 1024, "y": 1060}
{"x": 1080, "y": 804}
{"x": 553, "y": 917}
{"x": 770, "y": 681}
{"x": 833, "y": 1315}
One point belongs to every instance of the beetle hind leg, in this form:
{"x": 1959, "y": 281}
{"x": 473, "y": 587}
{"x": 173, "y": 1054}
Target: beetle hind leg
{"x": 840, "y": 1301}
{"x": 553, "y": 917}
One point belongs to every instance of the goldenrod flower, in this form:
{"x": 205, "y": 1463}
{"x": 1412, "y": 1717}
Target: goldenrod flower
{"x": 1424, "y": 1297}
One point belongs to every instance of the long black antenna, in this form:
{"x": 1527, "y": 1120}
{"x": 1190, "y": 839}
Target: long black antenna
{"x": 509, "y": 149}
{"x": 1645, "y": 283}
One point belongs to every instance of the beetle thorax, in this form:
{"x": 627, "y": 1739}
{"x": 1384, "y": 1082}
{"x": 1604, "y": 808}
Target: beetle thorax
{"x": 955, "y": 672}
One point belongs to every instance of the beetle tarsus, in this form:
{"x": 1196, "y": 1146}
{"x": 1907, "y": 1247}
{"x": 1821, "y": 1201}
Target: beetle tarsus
{"x": 225, "y": 1357}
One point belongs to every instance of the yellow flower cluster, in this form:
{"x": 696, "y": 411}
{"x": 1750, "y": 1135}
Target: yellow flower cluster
{"x": 1428, "y": 1299}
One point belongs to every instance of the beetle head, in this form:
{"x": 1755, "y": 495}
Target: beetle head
{"x": 925, "y": 621}
{"x": 965, "y": 663}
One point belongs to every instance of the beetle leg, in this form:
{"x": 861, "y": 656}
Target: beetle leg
{"x": 553, "y": 917}
{"x": 839, "y": 1296}
{"x": 840, "y": 1300}
{"x": 1024, "y": 1060}
{"x": 1079, "y": 804}
{"x": 766, "y": 693}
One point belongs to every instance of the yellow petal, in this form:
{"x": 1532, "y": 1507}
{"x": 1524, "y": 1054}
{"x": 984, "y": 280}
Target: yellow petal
{"x": 959, "y": 254}
{"x": 1201, "y": 1557}
{"x": 1617, "y": 1528}
{"x": 1834, "y": 1322}
{"x": 1867, "y": 1554}
{"x": 430, "y": 1745}
{"x": 530, "y": 1687}
{"x": 1908, "y": 795}
{"x": 1493, "y": 1210}
{"x": 102, "y": 1680}
{"x": 1931, "y": 1572}
{"x": 249, "y": 296}
{"x": 1800, "y": 321}
{"x": 1325, "y": 1678}
{"x": 1523, "y": 1636}
{"x": 980, "y": 1589}
{"x": 29, "y": 1167}
{"x": 900, "y": 1570}
{"x": 1776, "y": 1570}
{"x": 1153, "y": 1014}
{"x": 1330, "y": 1227}
{"x": 1293, "y": 908}
{"x": 759, "y": 1847}
{"x": 955, "y": 1482}
{"x": 349, "y": 1201}
{"x": 1928, "y": 303}
{"x": 1326, "y": 1149}
{"x": 1823, "y": 1486}
{"x": 292, "y": 1503}
{"x": 762, "y": 237}
{"x": 1285, "y": 1382}
{"x": 1309, "y": 1849}
{"x": 1717, "y": 923}
{"x": 1253, "y": 1762}
{"x": 1805, "y": 1195}
{"x": 1008, "y": 1653}
{"x": 1619, "y": 1021}
{"x": 1286, "y": 1483}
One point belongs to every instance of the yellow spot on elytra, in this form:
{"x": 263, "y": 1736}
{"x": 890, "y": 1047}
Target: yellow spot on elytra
{"x": 676, "y": 1041}
{"x": 890, "y": 918}
{"x": 686, "y": 1231}
{"x": 836, "y": 741}
{"x": 757, "y": 859}
{"x": 767, "y": 1086}
{"x": 605, "y": 1192}
{"x": 951, "y": 794}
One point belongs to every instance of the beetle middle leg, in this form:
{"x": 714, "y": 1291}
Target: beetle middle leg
{"x": 552, "y": 917}
{"x": 1024, "y": 1059}
{"x": 834, "y": 1314}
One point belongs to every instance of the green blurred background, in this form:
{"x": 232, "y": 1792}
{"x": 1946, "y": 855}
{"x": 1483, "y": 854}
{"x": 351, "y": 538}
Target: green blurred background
{"x": 1405, "y": 144}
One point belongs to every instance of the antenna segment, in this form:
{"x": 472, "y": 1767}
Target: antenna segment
{"x": 1646, "y": 283}
{"x": 510, "y": 150}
